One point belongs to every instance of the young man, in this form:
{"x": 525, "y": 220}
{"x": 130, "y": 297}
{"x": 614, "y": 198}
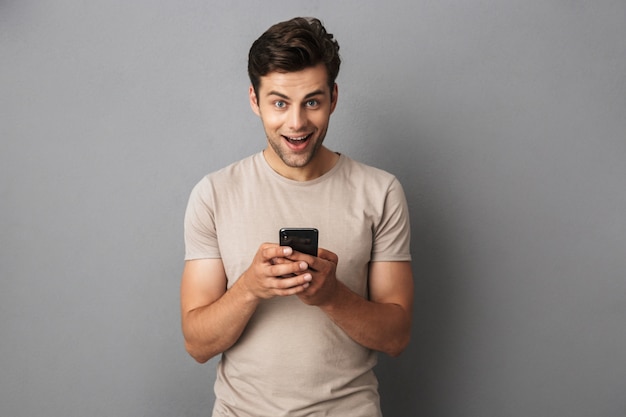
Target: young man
{"x": 298, "y": 333}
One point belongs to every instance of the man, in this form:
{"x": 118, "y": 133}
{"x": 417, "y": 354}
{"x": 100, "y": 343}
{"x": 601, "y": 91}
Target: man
{"x": 298, "y": 333}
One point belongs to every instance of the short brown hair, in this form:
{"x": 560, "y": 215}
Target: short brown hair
{"x": 292, "y": 46}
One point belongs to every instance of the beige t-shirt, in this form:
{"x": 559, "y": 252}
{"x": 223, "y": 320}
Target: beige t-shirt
{"x": 292, "y": 360}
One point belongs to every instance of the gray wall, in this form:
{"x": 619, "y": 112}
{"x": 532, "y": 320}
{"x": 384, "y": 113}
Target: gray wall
{"x": 506, "y": 122}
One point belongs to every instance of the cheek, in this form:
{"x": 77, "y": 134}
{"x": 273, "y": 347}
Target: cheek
{"x": 271, "y": 121}
{"x": 320, "y": 120}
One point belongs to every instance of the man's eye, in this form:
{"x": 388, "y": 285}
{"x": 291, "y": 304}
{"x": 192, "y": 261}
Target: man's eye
{"x": 312, "y": 103}
{"x": 280, "y": 104}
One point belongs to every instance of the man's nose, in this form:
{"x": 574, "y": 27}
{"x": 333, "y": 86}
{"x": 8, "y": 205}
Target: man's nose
{"x": 297, "y": 118}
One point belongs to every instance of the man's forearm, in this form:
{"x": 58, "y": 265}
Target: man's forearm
{"x": 384, "y": 327}
{"x": 210, "y": 330}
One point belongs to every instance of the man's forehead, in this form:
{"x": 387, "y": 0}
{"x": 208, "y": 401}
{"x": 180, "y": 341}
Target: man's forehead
{"x": 306, "y": 82}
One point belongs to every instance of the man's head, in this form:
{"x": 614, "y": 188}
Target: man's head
{"x": 292, "y": 46}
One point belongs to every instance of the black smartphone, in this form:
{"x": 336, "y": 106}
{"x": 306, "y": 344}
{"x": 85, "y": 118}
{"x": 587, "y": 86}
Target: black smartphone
{"x": 299, "y": 239}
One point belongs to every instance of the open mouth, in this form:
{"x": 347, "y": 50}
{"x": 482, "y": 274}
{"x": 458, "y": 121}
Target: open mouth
{"x": 297, "y": 140}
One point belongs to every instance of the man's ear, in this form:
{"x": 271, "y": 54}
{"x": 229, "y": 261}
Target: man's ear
{"x": 254, "y": 102}
{"x": 333, "y": 98}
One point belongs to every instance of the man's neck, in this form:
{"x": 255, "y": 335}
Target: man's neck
{"x": 324, "y": 161}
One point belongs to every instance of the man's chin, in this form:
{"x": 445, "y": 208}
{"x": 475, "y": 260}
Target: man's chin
{"x": 297, "y": 162}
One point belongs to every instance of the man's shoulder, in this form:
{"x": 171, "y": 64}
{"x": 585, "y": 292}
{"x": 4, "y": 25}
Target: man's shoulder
{"x": 364, "y": 172}
{"x": 238, "y": 167}
{"x": 237, "y": 172}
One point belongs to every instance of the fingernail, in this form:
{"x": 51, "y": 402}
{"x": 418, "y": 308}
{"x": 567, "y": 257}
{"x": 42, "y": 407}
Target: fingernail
{"x": 303, "y": 266}
{"x": 287, "y": 251}
{"x": 308, "y": 277}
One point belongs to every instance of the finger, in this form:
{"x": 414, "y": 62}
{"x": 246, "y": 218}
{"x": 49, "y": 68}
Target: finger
{"x": 303, "y": 281}
{"x": 287, "y": 268}
{"x": 299, "y": 256}
{"x": 277, "y": 261}
{"x": 327, "y": 255}
{"x": 271, "y": 250}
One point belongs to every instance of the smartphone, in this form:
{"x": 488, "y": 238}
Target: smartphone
{"x": 299, "y": 239}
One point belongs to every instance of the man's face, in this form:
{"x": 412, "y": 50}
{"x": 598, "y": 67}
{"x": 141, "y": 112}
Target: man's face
{"x": 295, "y": 109}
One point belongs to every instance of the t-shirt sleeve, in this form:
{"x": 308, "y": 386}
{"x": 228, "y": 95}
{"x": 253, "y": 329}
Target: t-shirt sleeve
{"x": 199, "y": 224}
{"x": 392, "y": 237}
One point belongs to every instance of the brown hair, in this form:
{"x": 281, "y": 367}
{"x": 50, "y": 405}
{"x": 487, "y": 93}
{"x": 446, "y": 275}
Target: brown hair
{"x": 291, "y": 46}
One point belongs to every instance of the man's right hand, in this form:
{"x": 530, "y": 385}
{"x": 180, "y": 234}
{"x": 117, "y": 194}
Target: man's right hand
{"x": 272, "y": 274}
{"x": 214, "y": 316}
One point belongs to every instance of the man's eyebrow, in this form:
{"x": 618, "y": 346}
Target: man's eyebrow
{"x": 311, "y": 94}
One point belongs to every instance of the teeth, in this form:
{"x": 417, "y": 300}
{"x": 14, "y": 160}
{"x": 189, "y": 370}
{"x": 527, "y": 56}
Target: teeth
{"x": 297, "y": 139}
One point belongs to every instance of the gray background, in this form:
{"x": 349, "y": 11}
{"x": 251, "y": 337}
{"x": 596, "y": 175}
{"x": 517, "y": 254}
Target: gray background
{"x": 505, "y": 121}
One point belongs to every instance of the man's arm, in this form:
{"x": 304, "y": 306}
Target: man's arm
{"x": 383, "y": 322}
{"x": 212, "y": 321}
{"x": 213, "y": 317}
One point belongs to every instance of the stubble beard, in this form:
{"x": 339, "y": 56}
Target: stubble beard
{"x": 297, "y": 160}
